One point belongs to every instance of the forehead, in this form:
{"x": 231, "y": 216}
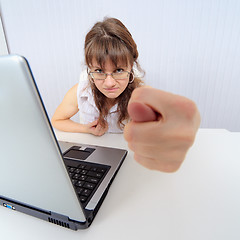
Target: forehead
{"x": 100, "y": 50}
{"x": 109, "y": 64}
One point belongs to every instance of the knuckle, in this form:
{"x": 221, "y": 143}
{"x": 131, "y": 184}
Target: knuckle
{"x": 128, "y": 132}
{"x": 191, "y": 108}
{"x": 139, "y": 93}
{"x": 131, "y": 146}
{"x": 186, "y": 137}
{"x": 188, "y": 107}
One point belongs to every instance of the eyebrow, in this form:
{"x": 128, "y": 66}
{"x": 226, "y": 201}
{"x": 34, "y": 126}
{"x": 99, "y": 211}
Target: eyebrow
{"x": 95, "y": 66}
{"x": 119, "y": 66}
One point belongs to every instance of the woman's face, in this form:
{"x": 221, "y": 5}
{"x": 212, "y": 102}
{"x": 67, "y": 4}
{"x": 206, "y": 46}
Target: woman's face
{"x": 111, "y": 87}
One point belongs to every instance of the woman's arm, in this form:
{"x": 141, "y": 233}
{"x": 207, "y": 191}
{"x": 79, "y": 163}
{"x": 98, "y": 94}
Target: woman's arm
{"x": 67, "y": 109}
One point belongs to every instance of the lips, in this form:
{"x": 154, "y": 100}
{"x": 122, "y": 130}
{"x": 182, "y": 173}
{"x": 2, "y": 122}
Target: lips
{"x": 111, "y": 89}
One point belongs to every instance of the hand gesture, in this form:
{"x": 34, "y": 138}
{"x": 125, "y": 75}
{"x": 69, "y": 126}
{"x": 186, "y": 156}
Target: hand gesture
{"x": 95, "y": 128}
{"x": 162, "y": 129}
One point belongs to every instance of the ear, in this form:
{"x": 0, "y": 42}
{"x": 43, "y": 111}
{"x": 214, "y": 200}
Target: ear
{"x": 131, "y": 77}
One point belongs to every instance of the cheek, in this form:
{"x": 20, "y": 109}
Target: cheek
{"x": 124, "y": 86}
{"x": 98, "y": 86}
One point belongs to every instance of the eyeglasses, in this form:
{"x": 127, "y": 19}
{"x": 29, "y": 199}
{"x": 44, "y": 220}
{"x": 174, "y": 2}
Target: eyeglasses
{"x": 115, "y": 75}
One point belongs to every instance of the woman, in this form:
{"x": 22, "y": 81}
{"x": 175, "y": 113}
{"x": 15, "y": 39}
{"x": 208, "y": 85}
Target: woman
{"x": 163, "y": 125}
{"x": 105, "y": 87}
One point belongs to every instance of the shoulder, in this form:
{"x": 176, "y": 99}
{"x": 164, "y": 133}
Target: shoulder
{"x": 83, "y": 84}
{"x": 73, "y": 90}
{"x": 71, "y": 95}
{"x": 84, "y": 91}
{"x": 83, "y": 79}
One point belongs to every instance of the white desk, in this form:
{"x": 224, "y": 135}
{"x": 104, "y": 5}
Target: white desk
{"x": 200, "y": 201}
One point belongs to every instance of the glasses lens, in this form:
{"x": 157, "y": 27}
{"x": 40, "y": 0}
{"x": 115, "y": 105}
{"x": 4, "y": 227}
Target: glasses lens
{"x": 116, "y": 75}
{"x": 98, "y": 76}
{"x": 120, "y": 75}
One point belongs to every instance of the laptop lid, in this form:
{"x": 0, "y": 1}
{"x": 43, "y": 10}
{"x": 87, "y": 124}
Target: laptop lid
{"x": 32, "y": 170}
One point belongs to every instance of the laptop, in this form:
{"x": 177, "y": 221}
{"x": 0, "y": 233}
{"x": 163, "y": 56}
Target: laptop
{"x": 63, "y": 183}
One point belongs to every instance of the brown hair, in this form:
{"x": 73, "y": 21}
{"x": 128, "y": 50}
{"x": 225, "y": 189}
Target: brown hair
{"x": 110, "y": 39}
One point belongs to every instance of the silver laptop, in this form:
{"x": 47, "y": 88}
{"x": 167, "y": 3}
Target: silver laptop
{"x": 61, "y": 182}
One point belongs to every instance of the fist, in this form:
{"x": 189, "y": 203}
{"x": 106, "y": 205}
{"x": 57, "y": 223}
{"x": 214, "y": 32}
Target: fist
{"x": 162, "y": 128}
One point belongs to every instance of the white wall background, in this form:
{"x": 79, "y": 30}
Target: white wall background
{"x": 3, "y": 44}
{"x": 188, "y": 47}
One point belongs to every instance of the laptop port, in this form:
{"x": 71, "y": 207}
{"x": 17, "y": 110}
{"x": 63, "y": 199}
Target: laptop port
{"x": 9, "y": 206}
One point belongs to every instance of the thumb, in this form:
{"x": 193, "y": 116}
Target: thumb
{"x": 94, "y": 123}
{"x": 140, "y": 112}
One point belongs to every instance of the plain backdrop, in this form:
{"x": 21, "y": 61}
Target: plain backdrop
{"x": 188, "y": 47}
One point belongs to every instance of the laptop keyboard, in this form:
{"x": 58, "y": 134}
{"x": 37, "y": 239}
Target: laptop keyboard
{"x": 86, "y": 177}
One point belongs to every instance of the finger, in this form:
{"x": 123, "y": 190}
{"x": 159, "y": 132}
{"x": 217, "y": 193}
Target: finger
{"x": 149, "y": 151}
{"x": 99, "y": 130}
{"x": 166, "y": 104}
{"x": 153, "y": 164}
{"x": 145, "y": 162}
{"x": 168, "y": 151}
{"x": 159, "y": 134}
{"x": 145, "y": 132}
{"x": 94, "y": 123}
{"x": 140, "y": 112}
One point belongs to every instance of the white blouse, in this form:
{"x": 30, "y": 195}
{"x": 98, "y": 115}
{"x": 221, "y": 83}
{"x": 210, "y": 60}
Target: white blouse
{"x": 88, "y": 111}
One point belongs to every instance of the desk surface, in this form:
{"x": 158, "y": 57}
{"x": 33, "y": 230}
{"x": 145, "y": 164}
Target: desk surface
{"x": 200, "y": 201}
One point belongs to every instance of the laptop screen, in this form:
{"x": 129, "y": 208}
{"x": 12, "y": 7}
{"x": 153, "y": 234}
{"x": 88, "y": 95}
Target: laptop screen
{"x": 32, "y": 170}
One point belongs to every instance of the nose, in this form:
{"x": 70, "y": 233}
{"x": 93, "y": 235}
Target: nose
{"x": 109, "y": 81}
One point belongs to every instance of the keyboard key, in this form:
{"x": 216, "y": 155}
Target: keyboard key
{"x": 78, "y": 170}
{"x": 89, "y": 185}
{"x": 76, "y": 176}
{"x": 81, "y": 166}
{"x": 71, "y": 174}
{"x": 94, "y": 169}
{"x": 83, "y": 198}
{"x": 94, "y": 174}
{"x": 86, "y": 192}
{"x": 72, "y": 169}
{"x": 87, "y": 167}
{"x": 79, "y": 190}
{"x": 84, "y": 172}
{"x": 83, "y": 177}
{"x": 79, "y": 183}
{"x": 74, "y": 181}
{"x": 92, "y": 180}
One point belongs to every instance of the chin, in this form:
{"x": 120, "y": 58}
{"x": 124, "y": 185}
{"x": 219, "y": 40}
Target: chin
{"x": 112, "y": 95}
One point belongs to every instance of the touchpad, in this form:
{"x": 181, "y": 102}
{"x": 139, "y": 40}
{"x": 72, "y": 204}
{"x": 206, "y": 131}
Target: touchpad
{"x": 77, "y": 153}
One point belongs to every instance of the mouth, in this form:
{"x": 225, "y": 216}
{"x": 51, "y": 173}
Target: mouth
{"x": 111, "y": 89}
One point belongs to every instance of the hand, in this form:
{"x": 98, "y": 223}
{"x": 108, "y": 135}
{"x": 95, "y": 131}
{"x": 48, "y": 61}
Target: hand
{"x": 95, "y": 128}
{"x": 162, "y": 129}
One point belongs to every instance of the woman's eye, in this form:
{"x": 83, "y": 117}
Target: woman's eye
{"x": 98, "y": 70}
{"x": 119, "y": 70}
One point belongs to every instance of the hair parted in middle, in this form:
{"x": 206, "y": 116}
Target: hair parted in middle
{"x": 110, "y": 39}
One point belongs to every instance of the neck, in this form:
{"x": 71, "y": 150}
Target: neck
{"x": 111, "y": 102}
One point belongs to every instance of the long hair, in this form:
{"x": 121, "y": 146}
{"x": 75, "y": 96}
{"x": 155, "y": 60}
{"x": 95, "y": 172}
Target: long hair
{"x": 110, "y": 39}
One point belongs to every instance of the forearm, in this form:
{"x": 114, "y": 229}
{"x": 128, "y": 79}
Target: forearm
{"x": 68, "y": 125}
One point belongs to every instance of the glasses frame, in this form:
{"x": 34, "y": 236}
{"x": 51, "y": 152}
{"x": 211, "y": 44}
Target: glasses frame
{"x": 106, "y": 74}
